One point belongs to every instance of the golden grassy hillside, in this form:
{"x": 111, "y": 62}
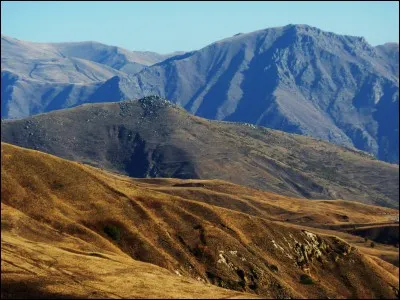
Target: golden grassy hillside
{"x": 69, "y": 230}
{"x": 36, "y": 269}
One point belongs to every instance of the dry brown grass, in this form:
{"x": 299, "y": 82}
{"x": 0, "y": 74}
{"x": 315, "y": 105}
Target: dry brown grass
{"x": 32, "y": 269}
{"x": 53, "y": 242}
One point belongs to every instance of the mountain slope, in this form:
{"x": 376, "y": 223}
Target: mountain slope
{"x": 38, "y": 77}
{"x": 79, "y": 62}
{"x": 21, "y": 96}
{"x": 44, "y": 62}
{"x": 129, "y": 62}
{"x": 57, "y": 218}
{"x": 153, "y": 138}
{"x": 391, "y": 53}
{"x": 294, "y": 78}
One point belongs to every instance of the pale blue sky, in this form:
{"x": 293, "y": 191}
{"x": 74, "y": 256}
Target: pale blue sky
{"x": 169, "y": 26}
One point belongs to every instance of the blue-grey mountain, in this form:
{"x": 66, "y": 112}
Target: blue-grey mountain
{"x": 40, "y": 77}
{"x": 295, "y": 78}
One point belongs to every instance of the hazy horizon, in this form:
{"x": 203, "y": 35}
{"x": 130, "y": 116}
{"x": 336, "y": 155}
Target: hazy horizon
{"x": 166, "y": 27}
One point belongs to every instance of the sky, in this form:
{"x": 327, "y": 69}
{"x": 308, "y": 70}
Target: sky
{"x": 165, "y": 27}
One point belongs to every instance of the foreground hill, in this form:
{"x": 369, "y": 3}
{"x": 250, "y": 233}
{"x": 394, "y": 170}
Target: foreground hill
{"x": 153, "y": 138}
{"x": 35, "y": 270}
{"x": 70, "y": 230}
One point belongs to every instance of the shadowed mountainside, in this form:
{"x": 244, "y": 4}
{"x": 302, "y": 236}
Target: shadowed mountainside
{"x": 70, "y": 230}
{"x": 154, "y": 138}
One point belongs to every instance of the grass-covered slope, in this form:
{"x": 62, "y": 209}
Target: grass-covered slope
{"x": 70, "y": 230}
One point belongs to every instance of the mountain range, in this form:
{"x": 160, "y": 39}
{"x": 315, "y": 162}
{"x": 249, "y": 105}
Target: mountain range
{"x": 264, "y": 165}
{"x": 295, "y": 78}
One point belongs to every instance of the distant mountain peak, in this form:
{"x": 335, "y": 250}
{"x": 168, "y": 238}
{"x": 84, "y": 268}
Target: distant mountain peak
{"x": 302, "y": 26}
